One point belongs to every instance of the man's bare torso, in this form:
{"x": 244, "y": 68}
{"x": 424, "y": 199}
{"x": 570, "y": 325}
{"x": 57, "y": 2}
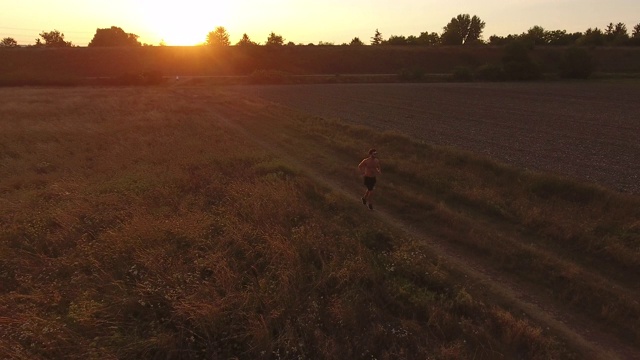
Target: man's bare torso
{"x": 370, "y": 167}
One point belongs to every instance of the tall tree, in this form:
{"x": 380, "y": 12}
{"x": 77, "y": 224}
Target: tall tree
{"x": 463, "y": 29}
{"x": 218, "y": 37}
{"x": 635, "y": 36}
{"x": 245, "y": 40}
{"x": 274, "y": 40}
{"x": 8, "y": 42}
{"x": 52, "y": 39}
{"x": 591, "y": 37}
{"x": 377, "y": 38}
{"x": 113, "y": 36}
{"x": 536, "y": 35}
{"x": 616, "y": 34}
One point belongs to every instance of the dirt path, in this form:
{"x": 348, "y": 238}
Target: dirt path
{"x": 581, "y": 333}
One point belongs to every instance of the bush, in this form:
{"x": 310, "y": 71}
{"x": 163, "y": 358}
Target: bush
{"x": 522, "y": 71}
{"x": 577, "y": 63}
{"x": 411, "y": 74}
{"x": 518, "y": 65}
{"x": 490, "y": 72}
{"x": 462, "y": 73}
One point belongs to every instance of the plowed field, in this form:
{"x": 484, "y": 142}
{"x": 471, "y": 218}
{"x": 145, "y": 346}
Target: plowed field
{"x": 588, "y": 131}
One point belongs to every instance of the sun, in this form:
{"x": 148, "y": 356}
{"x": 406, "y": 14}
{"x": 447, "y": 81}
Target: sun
{"x": 183, "y": 23}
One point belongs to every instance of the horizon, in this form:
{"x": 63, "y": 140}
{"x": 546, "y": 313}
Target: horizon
{"x": 330, "y": 22}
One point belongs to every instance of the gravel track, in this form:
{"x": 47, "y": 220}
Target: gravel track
{"x": 588, "y": 131}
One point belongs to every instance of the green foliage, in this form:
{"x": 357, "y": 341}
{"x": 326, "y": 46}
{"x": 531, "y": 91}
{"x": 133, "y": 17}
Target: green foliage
{"x": 536, "y": 35}
{"x": 502, "y": 40}
{"x": 52, "y": 39}
{"x": 218, "y": 37}
{"x": 411, "y": 74}
{"x": 377, "y": 38}
{"x": 245, "y": 41}
{"x": 8, "y": 42}
{"x": 462, "y": 74}
{"x": 275, "y": 40}
{"x": 518, "y": 65}
{"x": 463, "y": 29}
{"x": 397, "y": 40}
{"x": 591, "y": 37}
{"x": 356, "y": 41}
{"x": 113, "y": 36}
{"x": 427, "y": 38}
{"x": 635, "y": 35}
{"x": 616, "y": 34}
{"x": 490, "y": 72}
{"x": 577, "y": 63}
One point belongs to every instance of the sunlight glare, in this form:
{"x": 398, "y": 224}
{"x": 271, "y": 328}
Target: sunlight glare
{"x": 186, "y": 22}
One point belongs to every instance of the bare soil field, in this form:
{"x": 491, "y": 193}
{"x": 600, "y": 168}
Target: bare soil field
{"x": 587, "y": 131}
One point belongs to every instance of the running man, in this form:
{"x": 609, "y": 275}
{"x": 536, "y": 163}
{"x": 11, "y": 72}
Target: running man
{"x": 369, "y": 168}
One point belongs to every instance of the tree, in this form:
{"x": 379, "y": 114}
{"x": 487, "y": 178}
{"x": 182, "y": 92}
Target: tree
{"x": 356, "y": 41}
{"x": 274, "y": 40}
{"x": 53, "y": 39}
{"x": 635, "y": 35}
{"x": 616, "y": 34}
{"x": 501, "y": 40}
{"x": 412, "y": 40}
{"x": 536, "y": 35}
{"x": 397, "y": 40}
{"x": 8, "y": 42}
{"x": 218, "y": 37}
{"x": 517, "y": 64}
{"x": 377, "y": 38}
{"x": 562, "y": 38}
{"x": 427, "y": 38}
{"x": 463, "y": 29}
{"x": 113, "y": 36}
{"x": 245, "y": 41}
{"x": 591, "y": 37}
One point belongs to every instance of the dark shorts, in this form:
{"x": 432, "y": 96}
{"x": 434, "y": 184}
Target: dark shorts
{"x": 370, "y": 182}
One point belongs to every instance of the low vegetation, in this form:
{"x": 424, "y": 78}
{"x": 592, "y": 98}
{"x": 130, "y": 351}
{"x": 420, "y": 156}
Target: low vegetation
{"x": 174, "y": 222}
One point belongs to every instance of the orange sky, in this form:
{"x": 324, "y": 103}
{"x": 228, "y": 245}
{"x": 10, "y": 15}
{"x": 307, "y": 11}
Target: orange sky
{"x": 187, "y": 22}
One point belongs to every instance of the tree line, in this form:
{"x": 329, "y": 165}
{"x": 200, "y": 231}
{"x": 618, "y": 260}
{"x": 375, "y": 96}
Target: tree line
{"x": 462, "y": 29}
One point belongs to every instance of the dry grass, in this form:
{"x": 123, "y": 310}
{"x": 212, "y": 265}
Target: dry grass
{"x": 135, "y": 223}
{"x": 580, "y": 243}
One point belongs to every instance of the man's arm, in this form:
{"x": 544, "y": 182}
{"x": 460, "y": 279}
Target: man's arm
{"x": 361, "y": 165}
{"x": 378, "y": 166}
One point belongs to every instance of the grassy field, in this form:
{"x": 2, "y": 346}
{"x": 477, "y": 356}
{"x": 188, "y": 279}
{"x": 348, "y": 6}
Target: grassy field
{"x": 192, "y": 222}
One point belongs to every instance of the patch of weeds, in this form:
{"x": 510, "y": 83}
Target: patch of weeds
{"x": 275, "y": 168}
{"x": 552, "y": 187}
{"x": 376, "y": 240}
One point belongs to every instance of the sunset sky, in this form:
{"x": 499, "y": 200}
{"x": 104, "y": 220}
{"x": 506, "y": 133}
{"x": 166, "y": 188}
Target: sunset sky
{"x": 186, "y": 22}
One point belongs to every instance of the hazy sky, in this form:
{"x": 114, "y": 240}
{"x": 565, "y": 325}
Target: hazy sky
{"x": 186, "y": 22}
